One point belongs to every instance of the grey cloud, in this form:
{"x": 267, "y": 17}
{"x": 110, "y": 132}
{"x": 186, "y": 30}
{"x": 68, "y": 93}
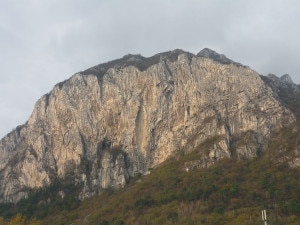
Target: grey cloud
{"x": 43, "y": 42}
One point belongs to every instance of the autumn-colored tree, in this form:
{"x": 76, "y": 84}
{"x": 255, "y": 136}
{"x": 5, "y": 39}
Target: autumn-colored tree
{"x": 17, "y": 220}
{"x": 2, "y": 221}
{"x": 35, "y": 222}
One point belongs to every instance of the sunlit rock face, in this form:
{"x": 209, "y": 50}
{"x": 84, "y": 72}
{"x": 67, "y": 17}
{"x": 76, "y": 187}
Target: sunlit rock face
{"x": 119, "y": 119}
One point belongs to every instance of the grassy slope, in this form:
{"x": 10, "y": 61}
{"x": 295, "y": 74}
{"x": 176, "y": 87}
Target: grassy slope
{"x": 230, "y": 192}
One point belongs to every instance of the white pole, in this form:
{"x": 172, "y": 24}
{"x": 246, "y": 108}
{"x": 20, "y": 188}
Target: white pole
{"x": 264, "y": 216}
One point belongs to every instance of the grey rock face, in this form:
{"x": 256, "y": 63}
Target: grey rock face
{"x": 121, "y": 118}
{"x": 286, "y": 79}
{"x": 211, "y": 54}
{"x": 283, "y": 82}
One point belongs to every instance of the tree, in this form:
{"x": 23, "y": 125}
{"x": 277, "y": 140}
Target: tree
{"x": 2, "y": 221}
{"x": 17, "y": 220}
{"x": 35, "y": 222}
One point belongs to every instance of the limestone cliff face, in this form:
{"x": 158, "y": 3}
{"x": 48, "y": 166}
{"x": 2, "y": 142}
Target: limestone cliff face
{"x": 121, "y": 118}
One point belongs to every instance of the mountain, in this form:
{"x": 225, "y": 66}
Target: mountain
{"x": 115, "y": 121}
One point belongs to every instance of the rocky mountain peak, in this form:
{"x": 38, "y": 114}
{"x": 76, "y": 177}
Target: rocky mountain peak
{"x": 140, "y": 62}
{"x": 118, "y": 119}
{"x": 208, "y": 53}
{"x": 283, "y": 82}
{"x": 286, "y": 78}
{"x": 221, "y": 58}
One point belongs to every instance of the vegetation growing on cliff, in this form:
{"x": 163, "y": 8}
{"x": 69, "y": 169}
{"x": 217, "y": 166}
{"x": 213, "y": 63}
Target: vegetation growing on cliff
{"x": 230, "y": 192}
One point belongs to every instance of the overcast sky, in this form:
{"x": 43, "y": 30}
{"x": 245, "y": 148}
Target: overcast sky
{"x": 43, "y": 42}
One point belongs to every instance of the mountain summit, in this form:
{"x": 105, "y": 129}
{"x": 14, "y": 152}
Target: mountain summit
{"x": 211, "y": 54}
{"x": 113, "y": 121}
